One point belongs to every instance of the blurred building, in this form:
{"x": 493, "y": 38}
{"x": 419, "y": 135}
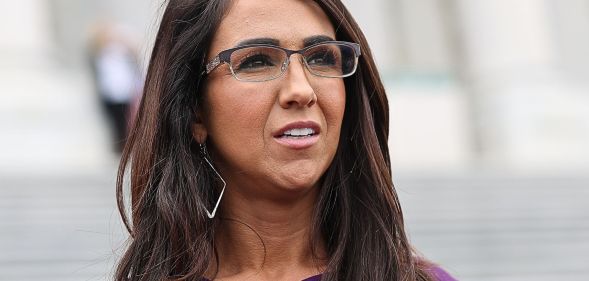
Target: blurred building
{"x": 484, "y": 84}
{"x": 472, "y": 83}
{"x": 50, "y": 117}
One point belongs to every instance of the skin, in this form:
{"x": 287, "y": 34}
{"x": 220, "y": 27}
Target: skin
{"x": 271, "y": 188}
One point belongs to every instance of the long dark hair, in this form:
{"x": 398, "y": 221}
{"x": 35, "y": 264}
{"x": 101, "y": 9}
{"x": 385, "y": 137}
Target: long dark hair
{"x": 357, "y": 216}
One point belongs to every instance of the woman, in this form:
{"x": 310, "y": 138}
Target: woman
{"x": 260, "y": 150}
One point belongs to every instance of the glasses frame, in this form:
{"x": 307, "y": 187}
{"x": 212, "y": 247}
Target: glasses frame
{"x": 225, "y": 57}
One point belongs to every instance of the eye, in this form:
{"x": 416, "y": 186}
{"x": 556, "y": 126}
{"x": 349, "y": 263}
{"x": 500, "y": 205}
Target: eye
{"x": 322, "y": 57}
{"x": 255, "y": 61}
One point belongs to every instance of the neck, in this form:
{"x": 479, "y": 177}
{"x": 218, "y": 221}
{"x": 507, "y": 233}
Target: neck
{"x": 267, "y": 238}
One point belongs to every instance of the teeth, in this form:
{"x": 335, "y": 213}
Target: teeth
{"x": 299, "y": 132}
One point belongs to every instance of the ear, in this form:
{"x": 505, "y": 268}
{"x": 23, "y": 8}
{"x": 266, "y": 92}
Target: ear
{"x": 199, "y": 131}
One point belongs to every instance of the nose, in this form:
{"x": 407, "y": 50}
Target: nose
{"x": 296, "y": 91}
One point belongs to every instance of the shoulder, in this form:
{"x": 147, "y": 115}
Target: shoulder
{"x": 440, "y": 274}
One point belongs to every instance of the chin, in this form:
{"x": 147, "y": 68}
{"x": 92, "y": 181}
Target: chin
{"x": 302, "y": 181}
{"x": 297, "y": 176}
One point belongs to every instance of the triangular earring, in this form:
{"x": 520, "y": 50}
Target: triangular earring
{"x": 205, "y": 156}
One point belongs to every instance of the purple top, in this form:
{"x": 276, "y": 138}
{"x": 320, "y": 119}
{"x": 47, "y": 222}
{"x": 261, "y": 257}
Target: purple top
{"x": 438, "y": 273}
{"x": 441, "y": 275}
{"x": 313, "y": 278}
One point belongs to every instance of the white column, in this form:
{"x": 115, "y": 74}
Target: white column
{"x": 531, "y": 118}
{"x": 49, "y": 120}
{"x": 25, "y": 33}
{"x": 373, "y": 18}
{"x": 412, "y": 49}
{"x": 572, "y": 35}
{"x": 505, "y": 35}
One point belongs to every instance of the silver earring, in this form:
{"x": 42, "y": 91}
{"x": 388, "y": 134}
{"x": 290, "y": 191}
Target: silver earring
{"x": 205, "y": 156}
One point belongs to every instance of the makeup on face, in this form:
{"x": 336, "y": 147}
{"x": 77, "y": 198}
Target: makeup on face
{"x": 279, "y": 134}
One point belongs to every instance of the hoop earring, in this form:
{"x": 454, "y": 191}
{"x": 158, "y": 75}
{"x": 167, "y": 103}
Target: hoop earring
{"x": 205, "y": 156}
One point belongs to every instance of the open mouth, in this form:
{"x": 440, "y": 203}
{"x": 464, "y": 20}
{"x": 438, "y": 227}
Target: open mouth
{"x": 298, "y": 133}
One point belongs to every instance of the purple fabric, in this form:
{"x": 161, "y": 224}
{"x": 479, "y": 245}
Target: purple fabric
{"x": 438, "y": 273}
{"x": 442, "y": 275}
{"x": 313, "y": 278}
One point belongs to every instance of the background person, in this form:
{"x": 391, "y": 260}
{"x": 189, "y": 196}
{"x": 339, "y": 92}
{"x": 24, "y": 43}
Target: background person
{"x": 115, "y": 70}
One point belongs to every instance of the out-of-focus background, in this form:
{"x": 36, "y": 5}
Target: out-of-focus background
{"x": 489, "y": 109}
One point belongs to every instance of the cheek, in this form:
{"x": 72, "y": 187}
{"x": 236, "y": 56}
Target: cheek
{"x": 233, "y": 122}
{"x": 333, "y": 104}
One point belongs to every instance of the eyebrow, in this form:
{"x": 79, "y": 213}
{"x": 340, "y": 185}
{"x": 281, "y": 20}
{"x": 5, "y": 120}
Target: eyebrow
{"x": 312, "y": 40}
{"x": 254, "y": 41}
{"x": 316, "y": 39}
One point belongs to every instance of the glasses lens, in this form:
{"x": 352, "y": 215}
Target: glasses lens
{"x": 257, "y": 63}
{"x": 331, "y": 60}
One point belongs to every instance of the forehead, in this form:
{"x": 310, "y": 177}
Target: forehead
{"x": 288, "y": 21}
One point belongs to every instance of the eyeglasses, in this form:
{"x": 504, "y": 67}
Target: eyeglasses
{"x": 261, "y": 62}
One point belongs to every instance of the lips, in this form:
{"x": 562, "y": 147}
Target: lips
{"x": 298, "y": 129}
{"x": 298, "y": 135}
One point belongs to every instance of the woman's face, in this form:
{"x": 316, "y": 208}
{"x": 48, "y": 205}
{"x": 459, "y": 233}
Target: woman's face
{"x": 248, "y": 123}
